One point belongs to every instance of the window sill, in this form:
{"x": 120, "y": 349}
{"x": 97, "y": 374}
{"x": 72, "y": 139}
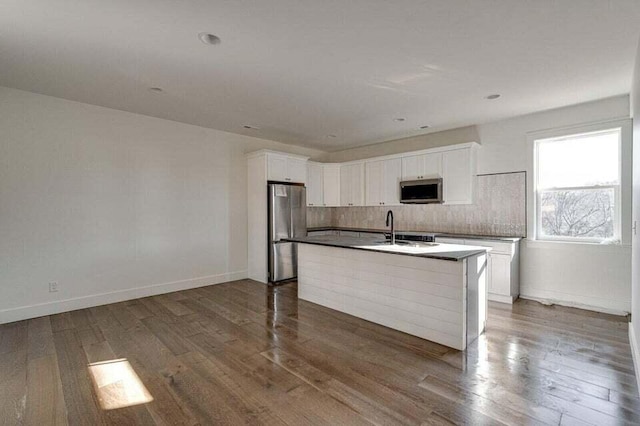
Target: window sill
{"x": 576, "y": 244}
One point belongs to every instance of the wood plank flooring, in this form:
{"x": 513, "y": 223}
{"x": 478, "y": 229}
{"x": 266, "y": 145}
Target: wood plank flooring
{"x": 243, "y": 352}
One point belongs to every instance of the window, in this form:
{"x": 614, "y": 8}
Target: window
{"x": 577, "y": 186}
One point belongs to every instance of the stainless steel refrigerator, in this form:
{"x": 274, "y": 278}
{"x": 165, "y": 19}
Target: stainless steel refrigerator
{"x": 287, "y": 218}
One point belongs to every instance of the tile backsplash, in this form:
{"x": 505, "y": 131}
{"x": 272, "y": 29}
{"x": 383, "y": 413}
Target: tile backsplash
{"x": 499, "y": 210}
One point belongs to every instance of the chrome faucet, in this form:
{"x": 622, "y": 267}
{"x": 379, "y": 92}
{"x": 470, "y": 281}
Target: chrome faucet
{"x": 393, "y": 233}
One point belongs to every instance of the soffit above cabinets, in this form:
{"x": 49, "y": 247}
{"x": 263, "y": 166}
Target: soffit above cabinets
{"x": 328, "y": 75}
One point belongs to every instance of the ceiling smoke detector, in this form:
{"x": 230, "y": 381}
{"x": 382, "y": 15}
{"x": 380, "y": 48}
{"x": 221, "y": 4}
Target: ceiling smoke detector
{"x": 156, "y": 89}
{"x": 426, "y": 126}
{"x": 492, "y": 97}
{"x": 246, "y": 126}
{"x": 331, "y": 136}
{"x": 208, "y": 38}
{"x": 399, "y": 119}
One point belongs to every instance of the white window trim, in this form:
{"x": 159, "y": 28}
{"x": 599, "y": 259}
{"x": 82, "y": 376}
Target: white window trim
{"x": 623, "y": 193}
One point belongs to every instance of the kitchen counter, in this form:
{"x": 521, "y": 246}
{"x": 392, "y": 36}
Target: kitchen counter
{"x": 434, "y": 291}
{"x": 452, "y": 252}
{"x": 437, "y": 234}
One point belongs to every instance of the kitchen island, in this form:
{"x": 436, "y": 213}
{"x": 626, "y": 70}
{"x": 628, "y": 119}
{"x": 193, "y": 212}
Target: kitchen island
{"x": 434, "y": 291}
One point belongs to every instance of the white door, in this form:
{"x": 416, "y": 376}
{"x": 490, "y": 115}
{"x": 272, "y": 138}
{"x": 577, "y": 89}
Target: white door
{"x": 315, "y": 184}
{"x": 331, "y": 185}
{"x": 456, "y": 176}
{"x": 296, "y": 170}
{"x": 277, "y": 167}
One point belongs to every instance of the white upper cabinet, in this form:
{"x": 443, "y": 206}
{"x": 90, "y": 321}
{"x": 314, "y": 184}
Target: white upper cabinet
{"x": 283, "y": 168}
{"x": 352, "y": 184}
{"x": 323, "y": 185}
{"x": 382, "y": 180}
{"x": 331, "y": 185}
{"x": 297, "y": 170}
{"x": 315, "y": 184}
{"x": 277, "y": 167}
{"x": 458, "y": 173}
{"x": 423, "y": 166}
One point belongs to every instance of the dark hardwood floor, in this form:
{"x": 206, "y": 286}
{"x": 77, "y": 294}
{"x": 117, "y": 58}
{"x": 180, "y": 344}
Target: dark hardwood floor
{"x": 242, "y": 352}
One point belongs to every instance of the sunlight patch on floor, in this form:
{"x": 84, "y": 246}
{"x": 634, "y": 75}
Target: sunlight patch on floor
{"x": 117, "y": 384}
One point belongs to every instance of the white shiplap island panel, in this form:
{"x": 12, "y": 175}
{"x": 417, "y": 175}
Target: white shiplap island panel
{"x": 421, "y": 296}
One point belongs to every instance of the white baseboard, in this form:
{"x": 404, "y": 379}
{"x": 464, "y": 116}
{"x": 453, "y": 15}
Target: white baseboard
{"x": 547, "y": 301}
{"x": 58, "y": 306}
{"x": 500, "y": 298}
{"x": 635, "y": 352}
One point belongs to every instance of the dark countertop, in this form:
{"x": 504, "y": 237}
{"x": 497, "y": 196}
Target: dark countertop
{"x": 437, "y": 234}
{"x": 451, "y": 252}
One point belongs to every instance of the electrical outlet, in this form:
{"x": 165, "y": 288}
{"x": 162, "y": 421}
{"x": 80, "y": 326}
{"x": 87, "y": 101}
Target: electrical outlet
{"x": 53, "y": 286}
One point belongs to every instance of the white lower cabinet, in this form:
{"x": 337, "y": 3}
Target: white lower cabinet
{"x": 503, "y": 275}
{"x": 500, "y": 274}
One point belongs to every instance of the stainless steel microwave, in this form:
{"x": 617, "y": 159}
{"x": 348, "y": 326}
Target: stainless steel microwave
{"x": 422, "y": 191}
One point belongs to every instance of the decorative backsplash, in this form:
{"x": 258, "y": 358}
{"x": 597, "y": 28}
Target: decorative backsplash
{"x": 499, "y": 210}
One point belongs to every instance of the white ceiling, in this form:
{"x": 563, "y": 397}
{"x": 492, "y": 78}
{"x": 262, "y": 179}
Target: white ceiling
{"x": 302, "y": 69}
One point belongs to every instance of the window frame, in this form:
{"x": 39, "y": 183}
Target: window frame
{"x": 537, "y": 192}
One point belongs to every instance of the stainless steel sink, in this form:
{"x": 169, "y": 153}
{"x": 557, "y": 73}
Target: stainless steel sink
{"x": 407, "y": 243}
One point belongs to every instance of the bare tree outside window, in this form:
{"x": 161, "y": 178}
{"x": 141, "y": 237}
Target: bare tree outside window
{"x": 577, "y": 186}
{"x": 578, "y": 213}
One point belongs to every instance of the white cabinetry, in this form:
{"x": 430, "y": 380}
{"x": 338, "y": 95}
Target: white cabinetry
{"x": 458, "y": 174}
{"x": 323, "y": 185}
{"x": 315, "y": 184}
{"x": 352, "y": 184}
{"x": 503, "y": 266}
{"x": 331, "y": 185}
{"x": 382, "y": 179}
{"x": 263, "y": 166}
{"x": 423, "y": 166}
{"x": 285, "y": 168}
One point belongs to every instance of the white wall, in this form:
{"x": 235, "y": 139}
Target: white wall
{"x": 584, "y": 275}
{"x": 634, "y": 328}
{"x": 114, "y": 205}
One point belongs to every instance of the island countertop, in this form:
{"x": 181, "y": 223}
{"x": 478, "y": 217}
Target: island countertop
{"x": 436, "y": 234}
{"x": 452, "y": 252}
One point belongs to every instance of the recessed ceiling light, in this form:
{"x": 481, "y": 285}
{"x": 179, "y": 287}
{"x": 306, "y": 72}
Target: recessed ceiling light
{"x": 156, "y": 89}
{"x": 426, "y": 126}
{"x": 246, "y": 126}
{"x": 399, "y": 119}
{"x": 208, "y": 38}
{"x": 494, "y": 96}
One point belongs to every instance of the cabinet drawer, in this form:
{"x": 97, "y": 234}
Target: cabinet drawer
{"x": 497, "y": 246}
{"x": 447, "y": 240}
